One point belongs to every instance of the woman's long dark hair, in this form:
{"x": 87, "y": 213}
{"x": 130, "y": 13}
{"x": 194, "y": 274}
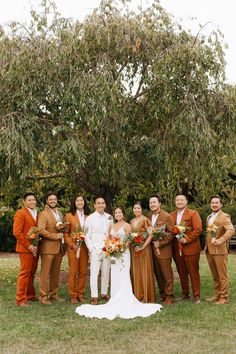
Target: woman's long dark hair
{"x": 138, "y": 202}
{"x": 123, "y": 212}
{"x": 73, "y": 208}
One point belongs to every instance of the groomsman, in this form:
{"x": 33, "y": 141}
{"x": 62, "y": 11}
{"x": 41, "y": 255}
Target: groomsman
{"x": 50, "y": 249}
{"x": 97, "y": 227}
{"x": 219, "y": 231}
{"x": 24, "y": 220}
{"x": 162, "y": 250}
{"x": 187, "y": 261}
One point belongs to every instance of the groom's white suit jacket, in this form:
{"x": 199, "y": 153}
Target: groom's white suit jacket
{"x": 96, "y": 230}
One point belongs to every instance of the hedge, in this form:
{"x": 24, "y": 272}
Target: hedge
{"x": 7, "y": 240}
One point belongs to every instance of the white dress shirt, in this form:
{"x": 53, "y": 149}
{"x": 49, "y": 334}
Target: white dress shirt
{"x": 33, "y": 212}
{"x": 56, "y": 215}
{"x": 154, "y": 219}
{"x": 212, "y": 217}
{"x": 179, "y": 216}
{"x": 81, "y": 218}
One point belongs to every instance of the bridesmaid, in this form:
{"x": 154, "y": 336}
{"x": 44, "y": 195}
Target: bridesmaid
{"x": 77, "y": 267}
{"x": 142, "y": 273}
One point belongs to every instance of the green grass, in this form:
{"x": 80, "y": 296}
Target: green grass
{"x": 181, "y": 328}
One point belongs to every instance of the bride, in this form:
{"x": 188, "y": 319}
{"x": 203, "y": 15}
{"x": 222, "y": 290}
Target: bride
{"x": 122, "y": 303}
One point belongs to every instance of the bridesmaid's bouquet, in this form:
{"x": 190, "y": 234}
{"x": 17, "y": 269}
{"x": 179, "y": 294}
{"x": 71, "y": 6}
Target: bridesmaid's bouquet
{"x": 114, "y": 247}
{"x": 33, "y": 236}
{"x": 62, "y": 227}
{"x": 212, "y": 229}
{"x": 137, "y": 239}
{"x": 159, "y": 233}
{"x": 179, "y": 233}
{"x": 78, "y": 238}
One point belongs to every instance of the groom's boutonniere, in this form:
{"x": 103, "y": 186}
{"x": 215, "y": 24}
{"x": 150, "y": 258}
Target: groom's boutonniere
{"x": 110, "y": 217}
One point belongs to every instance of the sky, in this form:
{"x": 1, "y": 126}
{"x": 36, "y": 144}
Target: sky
{"x": 219, "y": 14}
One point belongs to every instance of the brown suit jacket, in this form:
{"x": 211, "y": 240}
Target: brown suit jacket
{"x": 74, "y": 224}
{"x": 224, "y": 233}
{"x": 23, "y": 221}
{"x": 165, "y": 245}
{"x": 47, "y": 229}
{"x": 192, "y": 220}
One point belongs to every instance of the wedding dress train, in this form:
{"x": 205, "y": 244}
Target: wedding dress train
{"x": 122, "y": 303}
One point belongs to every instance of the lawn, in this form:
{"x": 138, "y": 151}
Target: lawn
{"x": 180, "y": 328}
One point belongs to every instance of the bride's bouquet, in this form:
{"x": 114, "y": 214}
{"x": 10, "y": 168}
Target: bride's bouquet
{"x": 114, "y": 248}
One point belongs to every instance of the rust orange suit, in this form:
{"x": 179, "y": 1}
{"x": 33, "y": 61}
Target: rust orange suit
{"x": 23, "y": 221}
{"x": 77, "y": 267}
{"x": 188, "y": 263}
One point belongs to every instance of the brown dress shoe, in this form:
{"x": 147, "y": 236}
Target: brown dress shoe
{"x": 57, "y": 298}
{"x": 74, "y": 301}
{"x": 168, "y": 301}
{"x": 24, "y": 304}
{"x": 221, "y": 302}
{"x": 196, "y": 300}
{"x": 81, "y": 298}
{"x": 105, "y": 297}
{"x": 33, "y": 299}
{"x": 94, "y": 300}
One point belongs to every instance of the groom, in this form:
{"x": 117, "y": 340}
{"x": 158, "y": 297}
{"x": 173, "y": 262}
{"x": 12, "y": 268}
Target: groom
{"x": 96, "y": 230}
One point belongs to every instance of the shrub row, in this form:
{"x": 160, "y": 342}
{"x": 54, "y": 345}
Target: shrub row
{"x": 7, "y": 240}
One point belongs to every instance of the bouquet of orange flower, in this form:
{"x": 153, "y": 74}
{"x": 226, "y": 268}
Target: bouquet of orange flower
{"x": 137, "y": 239}
{"x": 212, "y": 229}
{"x": 33, "y": 236}
{"x": 179, "y": 232}
{"x": 78, "y": 238}
{"x": 159, "y": 233}
{"x": 62, "y": 227}
{"x": 114, "y": 247}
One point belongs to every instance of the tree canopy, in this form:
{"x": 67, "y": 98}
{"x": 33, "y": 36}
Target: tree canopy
{"x": 118, "y": 101}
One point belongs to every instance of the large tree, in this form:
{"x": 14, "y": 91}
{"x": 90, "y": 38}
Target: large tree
{"x": 117, "y": 100}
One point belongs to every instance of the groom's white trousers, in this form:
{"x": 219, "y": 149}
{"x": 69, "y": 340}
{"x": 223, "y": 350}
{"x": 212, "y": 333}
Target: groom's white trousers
{"x": 97, "y": 262}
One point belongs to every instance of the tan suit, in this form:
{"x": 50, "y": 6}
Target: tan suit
{"x": 162, "y": 261}
{"x": 77, "y": 267}
{"x": 51, "y": 251}
{"x": 217, "y": 255}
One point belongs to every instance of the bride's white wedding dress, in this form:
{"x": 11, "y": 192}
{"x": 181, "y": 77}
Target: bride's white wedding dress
{"x": 122, "y": 303}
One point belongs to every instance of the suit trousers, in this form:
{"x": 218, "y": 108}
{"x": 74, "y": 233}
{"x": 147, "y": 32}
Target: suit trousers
{"x": 50, "y": 268}
{"x": 188, "y": 266}
{"x": 97, "y": 262}
{"x": 167, "y": 274}
{"x": 77, "y": 272}
{"x": 158, "y": 275}
{"x": 218, "y": 266}
{"x": 25, "y": 281}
